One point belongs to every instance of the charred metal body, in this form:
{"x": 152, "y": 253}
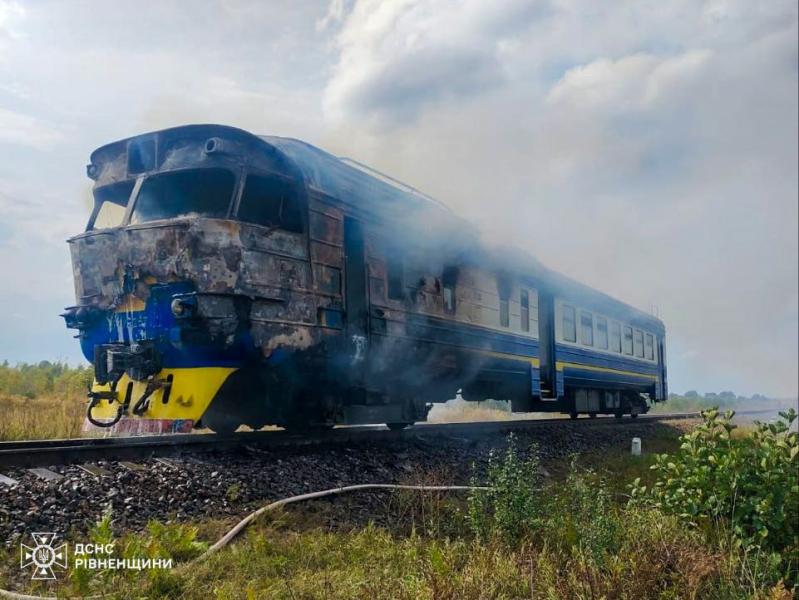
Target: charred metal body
{"x": 227, "y": 279}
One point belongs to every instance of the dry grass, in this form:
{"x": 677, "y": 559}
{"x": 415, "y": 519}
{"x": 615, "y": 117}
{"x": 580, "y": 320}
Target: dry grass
{"x": 467, "y": 414}
{"x": 45, "y": 417}
{"x": 460, "y": 411}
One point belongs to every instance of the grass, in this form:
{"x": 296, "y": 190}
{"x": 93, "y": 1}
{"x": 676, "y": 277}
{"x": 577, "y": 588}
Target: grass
{"x": 579, "y": 546}
{"x": 617, "y": 467}
{"x": 461, "y": 411}
{"x": 653, "y": 557}
{"x": 44, "y": 417}
{"x": 45, "y": 400}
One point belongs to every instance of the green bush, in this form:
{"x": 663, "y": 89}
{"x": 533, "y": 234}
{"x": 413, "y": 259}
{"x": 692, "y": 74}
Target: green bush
{"x": 747, "y": 485}
{"x": 510, "y": 507}
{"x": 44, "y": 379}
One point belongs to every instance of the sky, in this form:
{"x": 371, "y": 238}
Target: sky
{"x": 647, "y": 149}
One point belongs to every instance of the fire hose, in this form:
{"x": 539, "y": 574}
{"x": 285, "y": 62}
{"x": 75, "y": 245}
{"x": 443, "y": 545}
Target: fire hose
{"x": 241, "y": 525}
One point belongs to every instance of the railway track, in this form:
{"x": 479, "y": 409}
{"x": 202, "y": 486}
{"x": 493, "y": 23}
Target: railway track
{"x": 41, "y": 453}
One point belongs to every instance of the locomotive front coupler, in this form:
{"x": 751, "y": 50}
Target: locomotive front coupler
{"x": 111, "y": 395}
{"x": 139, "y": 360}
{"x": 153, "y": 384}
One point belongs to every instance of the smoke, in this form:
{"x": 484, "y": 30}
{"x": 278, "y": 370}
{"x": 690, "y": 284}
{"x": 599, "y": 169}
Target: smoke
{"x": 662, "y": 175}
{"x": 646, "y": 150}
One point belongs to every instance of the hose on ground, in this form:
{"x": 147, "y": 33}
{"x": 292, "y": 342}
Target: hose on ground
{"x": 242, "y": 525}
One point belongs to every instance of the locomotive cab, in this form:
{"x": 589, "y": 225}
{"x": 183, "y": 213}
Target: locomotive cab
{"x": 195, "y": 234}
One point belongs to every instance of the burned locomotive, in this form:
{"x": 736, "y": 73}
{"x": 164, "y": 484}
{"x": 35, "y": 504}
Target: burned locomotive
{"x": 226, "y": 279}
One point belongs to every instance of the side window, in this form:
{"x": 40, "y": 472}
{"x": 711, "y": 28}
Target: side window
{"x": 602, "y": 333}
{"x": 628, "y": 340}
{"x": 586, "y": 328}
{"x": 396, "y": 280}
{"x": 615, "y": 336}
{"x": 448, "y": 281}
{"x": 650, "y": 347}
{"x": 569, "y": 325}
{"x": 504, "y": 308}
{"x": 524, "y": 303}
{"x": 272, "y": 202}
{"x": 639, "y": 343}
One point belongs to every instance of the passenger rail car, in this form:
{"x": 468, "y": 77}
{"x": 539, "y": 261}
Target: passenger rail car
{"x": 227, "y": 279}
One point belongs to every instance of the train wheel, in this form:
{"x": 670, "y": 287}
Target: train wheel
{"x": 634, "y": 416}
{"x": 398, "y": 426}
{"x": 592, "y": 415}
{"x": 572, "y": 415}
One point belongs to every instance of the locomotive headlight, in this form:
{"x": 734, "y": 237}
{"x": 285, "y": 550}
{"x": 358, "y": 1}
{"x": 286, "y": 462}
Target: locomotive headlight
{"x": 177, "y": 307}
{"x": 182, "y": 307}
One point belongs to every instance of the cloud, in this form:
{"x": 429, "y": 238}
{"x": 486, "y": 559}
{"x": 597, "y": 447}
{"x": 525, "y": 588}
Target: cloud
{"x": 397, "y": 57}
{"x": 17, "y": 128}
{"x": 10, "y": 14}
{"x": 630, "y": 83}
{"x": 334, "y": 15}
{"x": 648, "y": 151}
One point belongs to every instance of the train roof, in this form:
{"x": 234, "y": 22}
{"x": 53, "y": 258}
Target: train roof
{"x": 357, "y": 184}
{"x": 347, "y": 179}
{"x": 342, "y": 178}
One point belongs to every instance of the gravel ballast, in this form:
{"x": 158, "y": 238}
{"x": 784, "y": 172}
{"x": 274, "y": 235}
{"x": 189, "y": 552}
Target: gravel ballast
{"x": 220, "y": 484}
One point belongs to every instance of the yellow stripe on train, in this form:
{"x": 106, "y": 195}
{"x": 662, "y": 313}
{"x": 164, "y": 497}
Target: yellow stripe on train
{"x": 536, "y": 363}
{"x": 190, "y": 395}
{"x": 528, "y": 359}
{"x": 561, "y": 365}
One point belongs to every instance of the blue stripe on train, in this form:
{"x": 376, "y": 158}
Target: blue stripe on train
{"x": 638, "y": 376}
{"x": 607, "y": 361}
{"x": 464, "y": 335}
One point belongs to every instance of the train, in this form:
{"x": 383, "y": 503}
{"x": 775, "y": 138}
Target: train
{"x": 226, "y": 279}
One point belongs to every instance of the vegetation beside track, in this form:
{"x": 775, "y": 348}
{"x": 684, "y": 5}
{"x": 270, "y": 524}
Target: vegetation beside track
{"x": 42, "y": 401}
{"x": 577, "y": 533}
{"x": 692, "y": 401}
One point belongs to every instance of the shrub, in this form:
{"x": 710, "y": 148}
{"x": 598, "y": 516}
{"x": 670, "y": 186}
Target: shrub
{"x": 45, "y": 378}
{"x": 746, "y": 484}
{"x": 510, "y": 507}
{"x": 579, "y": 513}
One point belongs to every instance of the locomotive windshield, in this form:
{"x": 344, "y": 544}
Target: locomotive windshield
{"x": 110, "y": 202}
{"x": 198, "y": 192}
{"x": 271, "y": 201}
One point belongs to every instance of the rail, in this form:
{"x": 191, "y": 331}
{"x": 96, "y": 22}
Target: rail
{"x": 39, "y": 453}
